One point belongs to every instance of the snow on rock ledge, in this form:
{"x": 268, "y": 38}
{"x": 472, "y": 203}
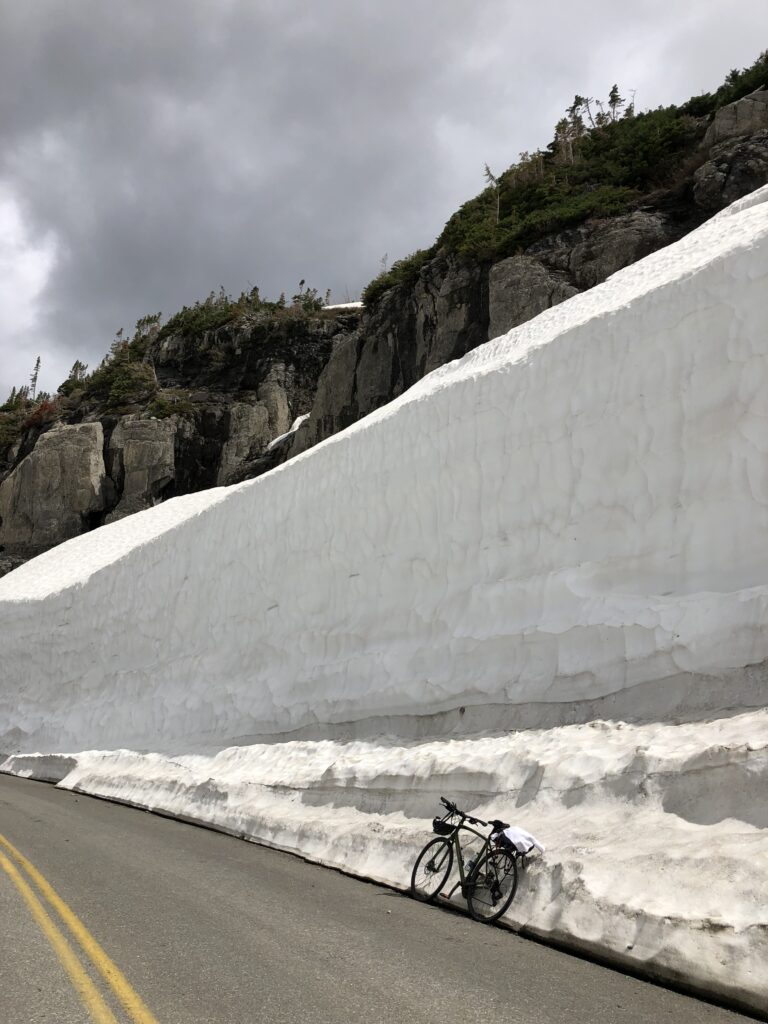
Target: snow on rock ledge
{"x": 570, "y": 523}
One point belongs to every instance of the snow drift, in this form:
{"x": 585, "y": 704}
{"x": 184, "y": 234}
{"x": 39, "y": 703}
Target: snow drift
{"x": 569, "y": 524}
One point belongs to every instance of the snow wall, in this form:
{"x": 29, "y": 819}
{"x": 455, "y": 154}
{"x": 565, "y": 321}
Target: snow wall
{"x": 537, "y": 583}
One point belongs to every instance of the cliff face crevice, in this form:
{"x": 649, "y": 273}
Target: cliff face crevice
{"x": 227, "y": 394}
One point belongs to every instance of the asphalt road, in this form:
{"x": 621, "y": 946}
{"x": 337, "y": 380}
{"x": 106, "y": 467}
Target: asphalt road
{"x": 205, "y": 928}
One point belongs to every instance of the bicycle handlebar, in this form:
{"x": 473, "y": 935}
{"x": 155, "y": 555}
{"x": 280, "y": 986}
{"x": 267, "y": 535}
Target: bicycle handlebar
{"x": 495, "y": 824}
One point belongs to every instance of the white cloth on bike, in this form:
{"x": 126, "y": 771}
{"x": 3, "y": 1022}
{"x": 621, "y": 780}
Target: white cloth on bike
{"x": 523, "y": 841}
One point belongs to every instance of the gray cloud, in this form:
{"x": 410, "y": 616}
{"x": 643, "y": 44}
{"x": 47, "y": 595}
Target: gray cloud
{"x": 168, "y": 148}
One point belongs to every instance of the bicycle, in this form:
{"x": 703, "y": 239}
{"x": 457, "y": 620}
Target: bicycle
{"x": 490, "y": 884}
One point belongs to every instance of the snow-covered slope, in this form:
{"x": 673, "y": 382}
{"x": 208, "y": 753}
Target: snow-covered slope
{"x": 568, "y": 524}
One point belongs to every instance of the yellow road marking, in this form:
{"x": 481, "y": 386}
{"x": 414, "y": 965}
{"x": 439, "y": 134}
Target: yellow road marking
{"x": 85, "y": 988}
{"x": 111, "y": 973}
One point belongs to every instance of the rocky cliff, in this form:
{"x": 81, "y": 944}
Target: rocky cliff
{"x": 457, "y": 304}
{"x": 220, "y": 399}
{"x": 218, "y": 403}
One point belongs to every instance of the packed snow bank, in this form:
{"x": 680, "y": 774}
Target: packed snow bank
{"x": 572, "y": 514}
{"x": 656, "y": 834}
{"x": 570, "y": 523}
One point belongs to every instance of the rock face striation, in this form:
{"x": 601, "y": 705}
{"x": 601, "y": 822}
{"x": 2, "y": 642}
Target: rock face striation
{"x": 233, "y": 391}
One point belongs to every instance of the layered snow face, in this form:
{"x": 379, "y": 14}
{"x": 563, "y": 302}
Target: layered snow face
{"x": 465, "y": 594}
{"x": 576, "y": 510}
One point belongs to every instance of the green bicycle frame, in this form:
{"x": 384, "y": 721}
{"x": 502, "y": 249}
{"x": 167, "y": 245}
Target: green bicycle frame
{"x": 481, "y": 855}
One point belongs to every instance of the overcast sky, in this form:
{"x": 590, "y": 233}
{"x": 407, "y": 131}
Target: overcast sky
{"x": 152, "y": 150}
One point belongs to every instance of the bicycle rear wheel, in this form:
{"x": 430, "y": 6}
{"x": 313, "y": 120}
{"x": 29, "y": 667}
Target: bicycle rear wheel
{"x": 431, "y": 870}
{"x": 492, "y": 886}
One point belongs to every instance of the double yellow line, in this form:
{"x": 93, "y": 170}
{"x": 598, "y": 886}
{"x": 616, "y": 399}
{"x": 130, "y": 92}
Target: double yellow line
{"x": 90, "y": 995}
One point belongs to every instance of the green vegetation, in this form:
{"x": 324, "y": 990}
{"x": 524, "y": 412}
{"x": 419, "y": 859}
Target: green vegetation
{"x": 598, "y": 163}
{"x": 25, "y": 409}
{"x": 405, "y": 271}
{"x": 170, "y": 402}
{"x": 75, "y": 380}
{"x": 20, "y": 413}
{"x": 737, "y": 84}
{"x": 125, "y": 376}
{"x": 11, "y": 425}
{"x": 220, "y": 308}
{"x": 604, "y": 157}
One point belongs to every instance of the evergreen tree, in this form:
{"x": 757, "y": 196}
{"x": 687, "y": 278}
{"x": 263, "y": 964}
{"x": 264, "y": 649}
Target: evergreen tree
{"x": 77, "y": 373}
{"x": 615, "y": 102}
{"x": 33, "y": 378}
{"x": 492, "y": 180}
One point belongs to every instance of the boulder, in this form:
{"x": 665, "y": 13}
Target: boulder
{"x": 590, "y": 253}
{"x": 273, "y": 395}
{"x": 743, "y": 117}
{"x": 735, "y": 168}
{"x": 335, "y": 405}
{"x": 141, "y": 462}
{"x": 520, "y": 288}
{"x": 614, "y": 244}
{"x": 248, "y": 430}
{"x": 458, "y": 309}
{"x": 56, "y": 492}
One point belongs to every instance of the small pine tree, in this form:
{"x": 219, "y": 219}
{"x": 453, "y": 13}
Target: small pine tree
{"x": 601, "y": 118}
{"x": 492, "y": 180}
{"x": 563, "y": 141}
{"x": 78, "y": 371}
{"x": 615, "y": 102}
{"x": 33, "y": 378}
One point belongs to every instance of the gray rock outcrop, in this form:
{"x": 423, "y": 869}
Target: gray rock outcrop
{"x": 734, "y": 169}
{"x": 590, "y": 253}
{"x": 520, "y": 288}
{"x": 455, "y": 306}
{"x": 55, "y": 491}
{"x": 222, "y": 397}
{"x": 141, "y": 463}
{"x": 411, "y": 331}
{"x": 743, "y": 117}
{"x": 248, "y": 434}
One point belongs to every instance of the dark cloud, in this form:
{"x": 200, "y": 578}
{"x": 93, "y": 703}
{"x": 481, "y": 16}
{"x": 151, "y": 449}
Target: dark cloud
{"x": 162, "y": 149}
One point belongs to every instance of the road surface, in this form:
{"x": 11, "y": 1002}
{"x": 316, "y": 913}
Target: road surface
{"x": 109, "y": 914}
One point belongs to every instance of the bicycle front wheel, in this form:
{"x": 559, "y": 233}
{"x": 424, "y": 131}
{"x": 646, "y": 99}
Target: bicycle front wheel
{"x": 492, "y": 886}
{"x": 431, "y": 870}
